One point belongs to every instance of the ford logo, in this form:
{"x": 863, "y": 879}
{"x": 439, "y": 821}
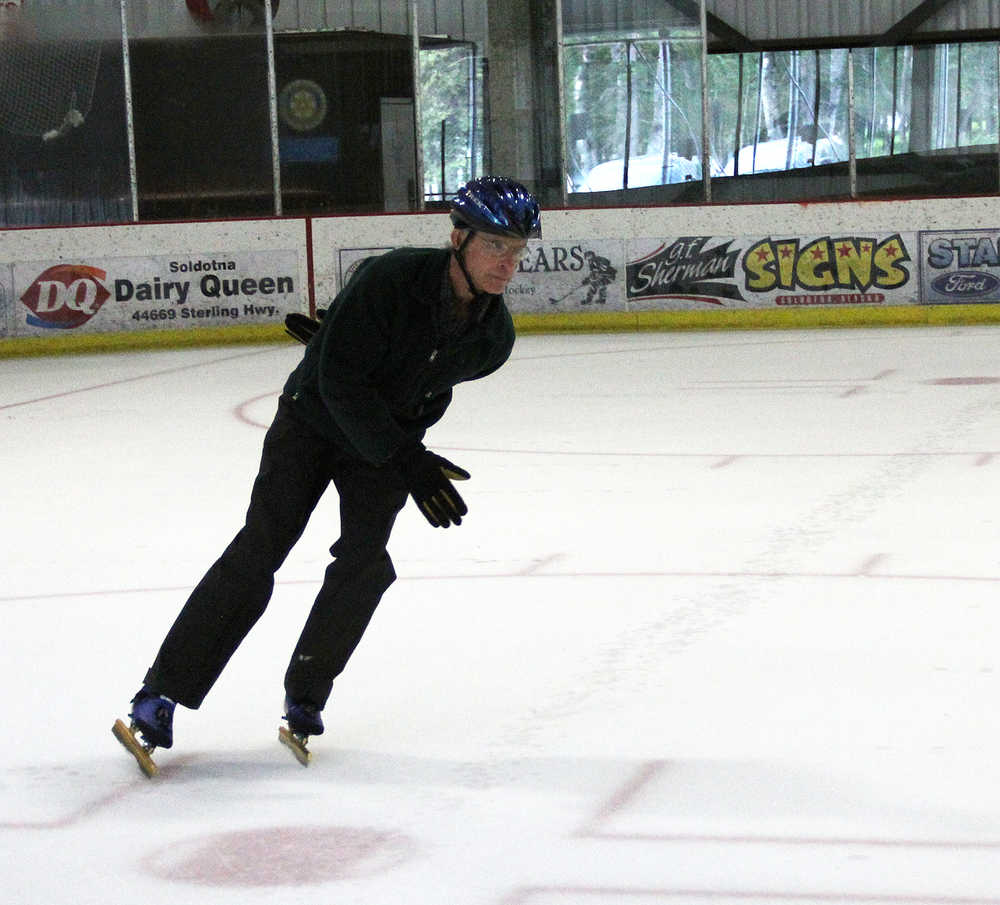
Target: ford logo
{"x": 965, "y": 283}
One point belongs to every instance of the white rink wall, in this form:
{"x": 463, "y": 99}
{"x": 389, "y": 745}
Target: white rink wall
{"x": 603, "y": 266}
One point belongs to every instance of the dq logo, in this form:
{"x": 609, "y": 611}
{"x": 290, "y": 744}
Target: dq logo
{"x": 65, "y": 296}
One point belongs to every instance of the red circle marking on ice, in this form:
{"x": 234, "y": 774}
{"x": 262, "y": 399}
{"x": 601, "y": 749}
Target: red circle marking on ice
{"x": 281, "y": 856}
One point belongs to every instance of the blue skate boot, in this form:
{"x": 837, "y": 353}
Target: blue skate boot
{"x": 303, "y": 719}
{"x": 153, "y": 716}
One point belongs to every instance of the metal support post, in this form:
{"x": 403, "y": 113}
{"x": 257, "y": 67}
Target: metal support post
{"x": 129, "y": 120}
{"x": 272, "y": 106}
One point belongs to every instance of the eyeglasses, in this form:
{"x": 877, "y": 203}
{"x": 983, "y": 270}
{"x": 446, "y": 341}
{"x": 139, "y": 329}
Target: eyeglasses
{"x": 497, "y": 248}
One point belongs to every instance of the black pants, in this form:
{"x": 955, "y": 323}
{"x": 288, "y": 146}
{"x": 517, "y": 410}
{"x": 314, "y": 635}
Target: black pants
{"x": 297, "y": 465}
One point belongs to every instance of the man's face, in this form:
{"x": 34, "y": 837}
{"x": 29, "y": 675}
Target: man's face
{"x": 491, "y": 260}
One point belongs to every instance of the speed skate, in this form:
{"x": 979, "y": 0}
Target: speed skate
{"x": 296, "y": 743}
{"x": 133, "y": 743}
{"x": 136, "y": 747}
{"x": 304, "y": 720}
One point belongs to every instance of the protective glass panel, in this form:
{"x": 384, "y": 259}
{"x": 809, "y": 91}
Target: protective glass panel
{"x": 452, "y": 122}
{"x": 881, "y": 101}
{"x": 781, "y": 116}
{"x": 634, "y": 114}
{"x": 976, "y": 94}
{"x": 665, "y": 115}
{"x": 596, "y": 101}
{"x": 345, "y": 122}
{"x": 200, "y": 109}
{"x": 63, "y": 141}
{"x": 632, "y": 80}
{"x": 926, "y": 119}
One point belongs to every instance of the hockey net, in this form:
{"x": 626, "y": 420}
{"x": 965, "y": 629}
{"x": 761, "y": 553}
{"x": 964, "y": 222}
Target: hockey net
{"x": 48, "y": 69}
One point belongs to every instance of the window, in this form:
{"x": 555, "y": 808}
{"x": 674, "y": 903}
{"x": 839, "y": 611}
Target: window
{"x": 452, "y": 121}
{"x": 793, "y": 110}
{"x": 633, "y": 112}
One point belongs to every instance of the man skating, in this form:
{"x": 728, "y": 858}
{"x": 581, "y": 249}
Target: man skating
{"x": 379, "y": 371}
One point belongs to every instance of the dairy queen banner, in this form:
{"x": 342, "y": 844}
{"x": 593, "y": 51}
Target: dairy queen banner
{"x": 156, "y": 292}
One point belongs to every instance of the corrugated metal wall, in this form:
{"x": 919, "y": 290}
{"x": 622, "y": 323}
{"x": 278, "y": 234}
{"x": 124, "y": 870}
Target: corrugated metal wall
{"x": 968, "y": 15}
{"x": 762, "y": 20}
{"x": 581, "y": 17}
{"x": 759, "y": 20}
{"x": 460, "y": 19}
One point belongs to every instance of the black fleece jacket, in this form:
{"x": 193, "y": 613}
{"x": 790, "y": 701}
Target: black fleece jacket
{"x": 380, "y": 369}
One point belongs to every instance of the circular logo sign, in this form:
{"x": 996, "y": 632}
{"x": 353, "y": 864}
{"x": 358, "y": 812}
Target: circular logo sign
{"x": 302, "y": 105}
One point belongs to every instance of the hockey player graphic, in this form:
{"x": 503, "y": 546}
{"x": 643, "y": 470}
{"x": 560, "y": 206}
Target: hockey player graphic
{"x": 601, "y": 274}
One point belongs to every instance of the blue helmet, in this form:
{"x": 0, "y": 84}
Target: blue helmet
{"x": 493, "y": 204}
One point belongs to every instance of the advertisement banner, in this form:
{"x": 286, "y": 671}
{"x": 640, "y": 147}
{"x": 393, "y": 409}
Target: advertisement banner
{"x": 104, "y": 295}
{"x": 707, "y": 272}
{"x": 348, "y": 260}
{"x": 554, "y": 276}
{"x": 571, "y": 275}
{"x": 6, "y": 300}
{"x": 959, "y": 266}
{"x": 704, "y": 272}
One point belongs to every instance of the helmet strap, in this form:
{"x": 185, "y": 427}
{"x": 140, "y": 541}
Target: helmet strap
{"x": 460, "y": 257}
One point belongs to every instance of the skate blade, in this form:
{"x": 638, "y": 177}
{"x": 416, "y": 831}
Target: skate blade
{"x": 296, "y": 744}
{"x": 139, "y": 751}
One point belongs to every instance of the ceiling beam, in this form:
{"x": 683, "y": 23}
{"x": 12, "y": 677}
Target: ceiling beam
{"x": 905, "y": 27}
{"x": 729, "y": 36}
{"x": 723, "y": 37}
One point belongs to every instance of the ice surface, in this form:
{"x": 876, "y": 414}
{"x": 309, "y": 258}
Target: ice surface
{"x": 721, "y": 627}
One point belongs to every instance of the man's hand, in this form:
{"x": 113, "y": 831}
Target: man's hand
{"x": 303, "y": 328}
{"x": 428, "y": 477}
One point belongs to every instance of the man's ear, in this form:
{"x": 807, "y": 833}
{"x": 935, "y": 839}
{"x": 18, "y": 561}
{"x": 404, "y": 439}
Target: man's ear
{"x": 457, "y": 235}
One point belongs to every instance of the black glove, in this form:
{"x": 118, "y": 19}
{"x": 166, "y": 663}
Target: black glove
{"x": 303, "y": 328}
{"x": 428, "y": 477}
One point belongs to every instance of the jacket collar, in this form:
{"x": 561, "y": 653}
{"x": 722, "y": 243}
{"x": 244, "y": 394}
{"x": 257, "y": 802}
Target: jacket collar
{"x": 427, "y": 287}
